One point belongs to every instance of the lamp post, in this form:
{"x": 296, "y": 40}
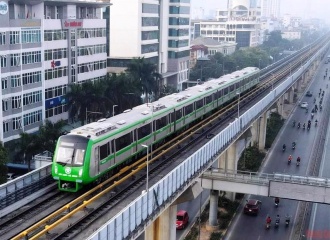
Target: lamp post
{"x": 239, "y": 95}
{"x": 113, "y": 110}
{"x": 147, "y": 147}
{"x": 89, "y": 112}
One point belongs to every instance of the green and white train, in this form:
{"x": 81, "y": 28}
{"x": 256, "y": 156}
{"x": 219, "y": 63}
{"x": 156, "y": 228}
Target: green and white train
{"x": 96, "y": 150}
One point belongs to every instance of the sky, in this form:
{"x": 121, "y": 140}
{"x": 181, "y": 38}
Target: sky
{"x": 299, "y": 8}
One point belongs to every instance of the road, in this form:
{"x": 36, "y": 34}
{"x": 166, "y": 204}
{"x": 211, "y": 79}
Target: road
{"x": 318, "y": 228}
{"x": 251, "y": 227}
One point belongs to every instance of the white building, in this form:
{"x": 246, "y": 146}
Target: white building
{"x": 214, "y": 46}
{"x": 291, "y": 34}
{"x": 44, "y": 46}
{"x": 153, "y": 29}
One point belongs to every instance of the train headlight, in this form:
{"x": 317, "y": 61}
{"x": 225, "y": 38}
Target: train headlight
{"x": 80, "y": 172}
{"x": 56, "y": 170}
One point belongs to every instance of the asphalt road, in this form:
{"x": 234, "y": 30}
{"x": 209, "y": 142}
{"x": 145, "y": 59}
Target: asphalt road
{"x": 319, "y": 226}
{"x": 253, "y": 227}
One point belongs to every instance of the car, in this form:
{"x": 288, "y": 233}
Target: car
{"x": 182, "y": 219}
{"x": 252, "y": 206}
{"x": 304, "y": 105}
{"x": 309, "y": 94}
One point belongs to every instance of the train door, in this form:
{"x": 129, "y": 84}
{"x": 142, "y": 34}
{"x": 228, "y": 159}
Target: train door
{"x": 113, "y": 150}
{"x": 96, "y": 161}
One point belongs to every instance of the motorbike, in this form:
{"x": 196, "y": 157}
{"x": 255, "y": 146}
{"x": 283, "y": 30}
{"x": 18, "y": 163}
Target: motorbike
{"x": 277, "y": 223}
{"x": 293, "y": 146}
{"x": 287, "y": 222}
{"x": 304, "y": 127}
{"x": 283, "y": 149}
{"x": 315, "y": 124}
{"x": 289, "y": 161}
{"x": 267, "y": 225}
{"x": 293, "y": 124}
{"x": 298, "y": 163}
{"x": 298, "y": 125}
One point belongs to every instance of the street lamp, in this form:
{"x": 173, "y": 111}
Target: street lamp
{"x": 89, "y": 112}
{"x": 239, "y": 95}
{"x": 113, "y": 110}
{"x": 147, "y": 147}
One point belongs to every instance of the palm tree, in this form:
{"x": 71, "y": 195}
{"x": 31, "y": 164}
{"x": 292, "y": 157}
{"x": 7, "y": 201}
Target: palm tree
{"x": 3, "y": 164}
{"x": 123, "y": 91}
{"x": 48, "y": 134}
{"x": 146, "y": 73}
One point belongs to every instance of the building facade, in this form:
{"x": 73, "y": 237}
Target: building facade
{"x": 157, "y": 30}
{"x": 44, "y": 47}
{"x": 270, "y": 8}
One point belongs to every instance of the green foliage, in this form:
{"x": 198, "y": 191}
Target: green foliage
{"x": 193, "y": 233}
{"x": 274, "y": 124}
{"x": 215, "y": 236}
{"x": 3, "y": 166}
{"x": 250, "y": 160}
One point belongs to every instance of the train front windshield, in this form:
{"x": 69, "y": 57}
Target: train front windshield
{"x": 71, "y": 150}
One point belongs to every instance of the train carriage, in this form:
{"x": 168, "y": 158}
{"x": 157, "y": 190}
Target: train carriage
{"x": 94, "y": 150}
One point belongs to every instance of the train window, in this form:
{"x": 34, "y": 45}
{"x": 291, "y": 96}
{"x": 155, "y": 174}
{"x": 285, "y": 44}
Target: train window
{"x": 112, "y": 146}
{"x": 237, "y": 85}
{"x": 232, "y": 87}
{"x": 104, "y": 151}
{"x": 189, "y": 109}
{"x": 160, "y": 123}
{"x": 199, "y": 104}
{"x": 220, "y": 94}
{"x": 79, "y": 156}
{"x": 225, "y": 91}
{"x": 123, "y": 141}
{"x": 208, "y": 99}
{"x": 171, "y": 117}
{"x": 178, "y": 114}
{"x": 144, "y": 131}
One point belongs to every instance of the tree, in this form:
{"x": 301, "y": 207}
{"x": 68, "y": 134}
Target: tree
{"x": 29, "y": 146}
{"x": 48, "y": 135}
{"x": 3, "y": 164}
{"x": 146, "y": 73}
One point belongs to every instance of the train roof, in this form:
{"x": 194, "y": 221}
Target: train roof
{"x": 143, "y": 112}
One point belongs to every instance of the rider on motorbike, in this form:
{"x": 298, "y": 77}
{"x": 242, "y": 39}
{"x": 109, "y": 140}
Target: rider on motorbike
{"x": 290, "y": 158}
{"x": 277, "y": 200}
{"x": 298, "y": 159}
{"x": 284, "y": 147}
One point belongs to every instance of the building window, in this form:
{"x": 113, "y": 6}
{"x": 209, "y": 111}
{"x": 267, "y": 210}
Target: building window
{"x": 4, "y": 83}
{"x": 180, "y": 1}
{"x": 149, "y": 48}
{"x": 178, "y": 32}
{"x": 5, "y": 105}
{"x": 31, "y": 35}
{"x": 31, "y": 98}
{"x": 3, "y": 61}
{"x": 17, "y": 123}
{"x": 56, "y": 111}
{"x": 91, "y": 66}
{"x": 149, "y": 35}
{"x": 51, "y": 35}
{"x": 172, "y": 54}
{"x": 56, "y": 73}
{"x": 5, "y": 127}
{"x": 150, "y": 21}
{"x": 55, "y": 92}
{"x": 16, "y": 102}
{"x": 32, "y": 118}
{"x": 32, "y": 77}
{"x": 178, "y": 21}
{"x": 31, "y": 57}
{"x": 15, "y": 81}
{"x": 53, "y": 54}
{"x": 91, "y": 32}
{"x": 15, "y": 59}
{"x": 14, "y": 37}
{"x": 150, "y": 8}
{"x": 178, "y": 43}
{"x": 179, "y": 10}
{"x": 2, "y": 38}
{"x": 92, "y": 49}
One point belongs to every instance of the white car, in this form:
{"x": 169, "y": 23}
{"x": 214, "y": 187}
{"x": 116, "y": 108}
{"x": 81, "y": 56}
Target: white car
{"x": 304, "y": 105}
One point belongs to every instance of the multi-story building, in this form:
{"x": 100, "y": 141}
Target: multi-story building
{"x": 44, "y": 46}
{"x": 153, "y": 29}
{"x": 270, "y": 8}
{"x": 239, "y": 23}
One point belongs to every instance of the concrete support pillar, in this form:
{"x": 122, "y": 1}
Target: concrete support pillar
{"x": 254, "y": 132}
{"x": 280, "y": 104}
{"x": 163, "y": 228}
{"x": 262, "y": 131}
{"x": 299, "y": 84}
{"x": 290, "y": 95}
{"x": 222, "y": 160}
{"x": 213, "y": 215}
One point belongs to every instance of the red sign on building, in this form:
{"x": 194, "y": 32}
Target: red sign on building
{"x": 72, "y": 23}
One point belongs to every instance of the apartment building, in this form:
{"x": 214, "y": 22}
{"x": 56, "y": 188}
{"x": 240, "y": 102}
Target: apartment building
{"x": 153, "y": 29}
{"x": 44, "y": 46}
